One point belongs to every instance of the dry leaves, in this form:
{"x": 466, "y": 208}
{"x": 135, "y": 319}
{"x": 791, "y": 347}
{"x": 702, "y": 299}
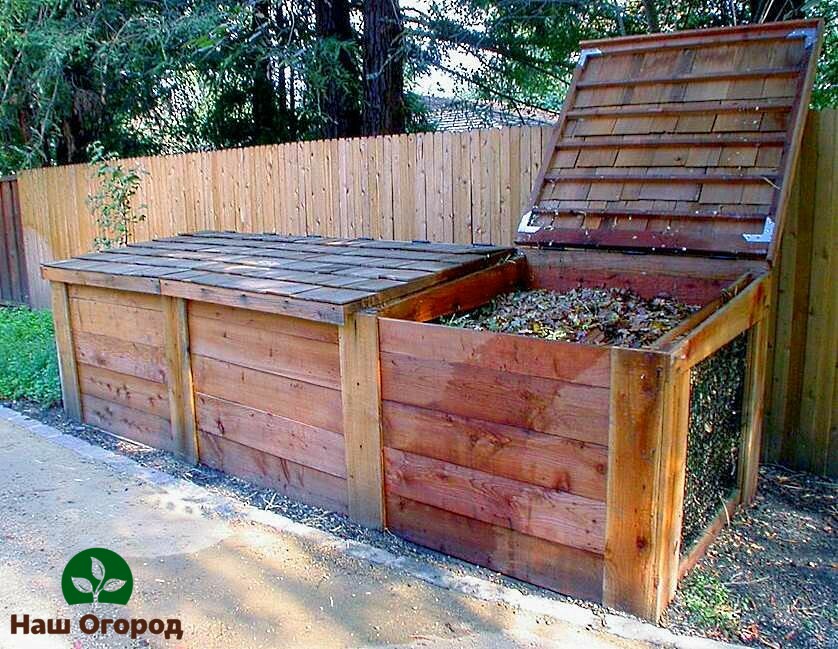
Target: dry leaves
{"x": 605, "y": 316}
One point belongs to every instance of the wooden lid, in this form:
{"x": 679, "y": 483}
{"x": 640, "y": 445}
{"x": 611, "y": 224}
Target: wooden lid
{"x": 679, "y": 142}
{"x": 316, "y": 278}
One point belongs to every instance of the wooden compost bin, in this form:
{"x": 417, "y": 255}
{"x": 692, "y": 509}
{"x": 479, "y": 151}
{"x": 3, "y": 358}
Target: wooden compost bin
{"x": 564, "y": 464}
{"x": 245, "y": 352}
{"x": 311, "y": 365}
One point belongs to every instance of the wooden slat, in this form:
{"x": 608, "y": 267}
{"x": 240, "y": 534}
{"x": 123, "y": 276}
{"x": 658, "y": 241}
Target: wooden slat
{"x": 674, "y": 140}
{"x": 584, "y": 365}
{"x": 563, "y": 518}
{"x": 138, "y": 425}
{"x": 68, "y": 370}
{"x": 549, "y": 406}
{"x": 124, "y": 389}
{"x": 515, "y": 453}
{"x": 558, "y": 567}
{"x": 304, "y": 402}
{"x": 753, "y": 411}
{"x": 117, "y": 355}
{"x": 132, "y": 324}
{"x": 276, "y": 435}
{"x": 293, "y": 480}
{"x": 361, "y": 398}
{"x": 759, "y": 73}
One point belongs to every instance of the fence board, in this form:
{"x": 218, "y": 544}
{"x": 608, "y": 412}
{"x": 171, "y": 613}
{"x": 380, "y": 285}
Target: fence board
{"x": 13, "y": 278}
{"x": 462, "y": 187}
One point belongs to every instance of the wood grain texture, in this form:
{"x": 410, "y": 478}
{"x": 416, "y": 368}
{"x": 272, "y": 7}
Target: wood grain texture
{"x": 68, "y": 369}
{"x": 580, "y": 364}
{"x": 307, "y": 403}
{"x": 556, "y": 407}
{"x": 527, "y": 456}
{"x": 632, "y": 537}
{"x": 135, "y": 359}
{"x": 293, "y": 480}
{"x": 361, "y": 397}
{"x": 124, "y": 389}
{"x": 138, "y": 425}
{"x": 128, "y": 323}
{"x": 754, "y": 411}
{"x": 283, "y": 437}
{"x": 269, "y": 351}
{"x": 556, "y": 516}
{"x": 559, "y": 567}
{"x": 181, "y": 391}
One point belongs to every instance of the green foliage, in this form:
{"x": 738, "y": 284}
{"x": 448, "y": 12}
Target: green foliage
{"x": 28, "y": 361}
{"x": 111, "y": 205}
{"x": 710, "y": 602}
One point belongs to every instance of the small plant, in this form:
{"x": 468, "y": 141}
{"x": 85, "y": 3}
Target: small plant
{"x": 97, "y": 570}
{"x": 710, "y": 603}
{"x": 112, "y": 205}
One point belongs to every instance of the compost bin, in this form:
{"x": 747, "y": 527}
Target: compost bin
{"x": 319, "y": 366}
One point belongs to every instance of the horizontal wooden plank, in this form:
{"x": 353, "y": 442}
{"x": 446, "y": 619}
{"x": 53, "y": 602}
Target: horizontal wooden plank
{"x": 308, "y": 310}
{"x": 556, "y": 407}
{"x": 291, "y": 356}
{"x": 290, "y": 479}
{"x": 133, "y": 424}
{"x": 265, "y": 321}
{"x": 583, "y": 364}
{"x": 527, "y": 456}
{"x": 130, "y": 391}
{"x": 318, "y": 448}
{"x": 556, "y": 516}
{"x": 561, "y": 568}
{"x": 134, "y": 359}
{"x": 144, "y": 326}
{"x": 103, "y": 280}
{"x": 112, "y": 296}
{"x": 307, "y": 403}
{"x": 457, "y": 295}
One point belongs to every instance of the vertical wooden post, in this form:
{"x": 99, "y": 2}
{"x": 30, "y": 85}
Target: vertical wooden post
{"x": 753, "y": 403}
{"x": 67, "y": 369}
{"x": 637, "y": 449}
{"x": 361, "y": 398}
{"x": 179, "y": 377}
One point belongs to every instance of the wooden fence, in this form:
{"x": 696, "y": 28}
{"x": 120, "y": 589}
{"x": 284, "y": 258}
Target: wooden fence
{"x": 461, "y": 187}
{"x": 13, "y": 280}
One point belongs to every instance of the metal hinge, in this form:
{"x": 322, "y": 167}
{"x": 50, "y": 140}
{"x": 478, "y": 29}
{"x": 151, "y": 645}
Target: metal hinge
{"x": 809, "y": 34}
{"x": 765, "y": 236}
{"x": 584, "y": 55}
{"x": 524, "y": 226}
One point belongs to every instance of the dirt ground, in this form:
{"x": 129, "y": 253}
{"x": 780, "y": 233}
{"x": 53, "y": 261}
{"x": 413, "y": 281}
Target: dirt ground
{"x": 769, "y": 580}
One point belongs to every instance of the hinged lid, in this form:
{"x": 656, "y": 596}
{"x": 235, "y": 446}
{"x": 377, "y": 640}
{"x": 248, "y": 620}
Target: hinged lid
{"x": 679, "y": 142}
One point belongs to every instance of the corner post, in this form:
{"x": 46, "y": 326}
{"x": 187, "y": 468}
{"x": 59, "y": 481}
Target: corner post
{"x": 645, "y": 481}
{"x": 361, "y": 400}
{"x": 753, "y": 406}
{"x": 67, "y": 368}
{"x": 179, "y": 374}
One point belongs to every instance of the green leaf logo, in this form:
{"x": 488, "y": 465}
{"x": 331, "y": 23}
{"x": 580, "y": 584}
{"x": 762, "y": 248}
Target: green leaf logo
{"x": 97, "y": 575}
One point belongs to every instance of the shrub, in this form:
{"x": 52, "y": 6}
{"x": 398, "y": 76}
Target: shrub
{"x": 28, "y": 361}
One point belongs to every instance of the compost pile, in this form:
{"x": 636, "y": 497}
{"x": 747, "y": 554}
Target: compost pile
{"x": 717, "y": 387}
{"x": 602, "y": 316}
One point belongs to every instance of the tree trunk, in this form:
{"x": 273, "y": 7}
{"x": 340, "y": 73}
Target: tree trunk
{"x": 651, "y": 10}
{"x": 263, "y": 93}
{"x": 384, "y": 107}
{"x": 343, "y": 117}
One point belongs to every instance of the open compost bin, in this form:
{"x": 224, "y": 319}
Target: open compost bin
{"x": 598, "y": 465}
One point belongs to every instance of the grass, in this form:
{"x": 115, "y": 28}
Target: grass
{"x": 710, "y": 603}
{"x": 28, "y": 361}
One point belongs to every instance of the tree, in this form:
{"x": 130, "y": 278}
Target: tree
{"x": 384, "y": 104}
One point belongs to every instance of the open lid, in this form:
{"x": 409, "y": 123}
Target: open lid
{"x": 682, "y": 142}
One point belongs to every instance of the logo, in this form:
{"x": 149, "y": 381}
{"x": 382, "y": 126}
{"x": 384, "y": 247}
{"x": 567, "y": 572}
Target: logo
{"x": 97, "y": 575}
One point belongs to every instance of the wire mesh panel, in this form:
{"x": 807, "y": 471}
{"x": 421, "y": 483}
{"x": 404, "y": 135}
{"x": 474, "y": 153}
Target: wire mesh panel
{"x": 715, "y": 429}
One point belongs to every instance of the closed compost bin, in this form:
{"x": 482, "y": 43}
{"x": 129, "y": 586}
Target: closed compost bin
{"x": 582, "y": 412}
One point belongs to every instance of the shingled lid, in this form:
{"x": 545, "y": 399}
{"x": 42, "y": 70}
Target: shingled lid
{"x": 316, "y": 278}
{"x": 682, "y": 142}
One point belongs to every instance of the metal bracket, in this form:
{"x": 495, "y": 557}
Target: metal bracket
{"x": 765, "y": 236}
{"x": 584, "y": 55}
{"x": 524, "y": 226}
{"x": 808, "y": 35}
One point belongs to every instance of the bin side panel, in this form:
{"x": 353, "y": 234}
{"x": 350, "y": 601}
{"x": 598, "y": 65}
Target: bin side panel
{"x": 494, "y": 454}
{"x": 268, "y": 401}
{"x": 122, "y": 373}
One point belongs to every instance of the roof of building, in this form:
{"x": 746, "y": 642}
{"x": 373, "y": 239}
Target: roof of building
{"x": 452, "y": 114}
